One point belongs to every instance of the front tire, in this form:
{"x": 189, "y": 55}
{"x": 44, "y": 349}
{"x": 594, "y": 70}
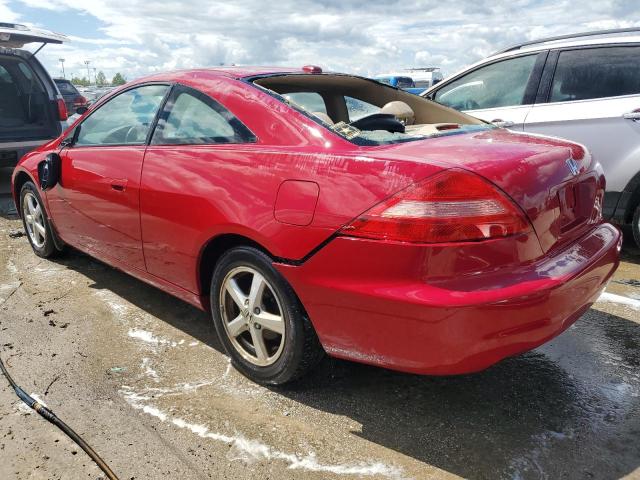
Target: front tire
{"x": 36, "y": 224}
{"x": 260, "y": 320}
{"x": 635, "y": 226}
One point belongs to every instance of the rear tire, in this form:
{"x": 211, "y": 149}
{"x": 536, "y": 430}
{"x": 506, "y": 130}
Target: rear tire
{"x": 35, "y": 222}
{"x": 635, "y": 226}
{"x": 259, "y": 319}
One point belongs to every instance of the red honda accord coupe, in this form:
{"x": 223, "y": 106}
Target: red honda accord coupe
{"x": 317, "y": 212}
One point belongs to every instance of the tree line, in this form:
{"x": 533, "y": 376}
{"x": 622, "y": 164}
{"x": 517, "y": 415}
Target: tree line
{"x": 101, "y": 80}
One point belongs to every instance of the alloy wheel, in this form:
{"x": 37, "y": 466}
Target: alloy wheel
{"x": 252, "y": 316}
{"x": 34, "y": 219}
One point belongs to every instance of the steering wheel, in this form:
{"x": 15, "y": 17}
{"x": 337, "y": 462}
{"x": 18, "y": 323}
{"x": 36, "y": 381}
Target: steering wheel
{"x": 379, "y": 121}
{"x": 130, "y": 131}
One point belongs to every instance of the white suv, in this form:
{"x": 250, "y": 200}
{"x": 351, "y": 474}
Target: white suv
{"x": 583, "y": 87}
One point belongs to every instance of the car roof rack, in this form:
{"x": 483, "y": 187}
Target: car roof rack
{"x": 565, "y": 37}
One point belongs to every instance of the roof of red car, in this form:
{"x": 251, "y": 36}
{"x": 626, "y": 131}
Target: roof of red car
{"x": 233, "y": 72}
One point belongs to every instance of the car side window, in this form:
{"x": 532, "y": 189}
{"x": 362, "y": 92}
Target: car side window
{"x": 193, "y": 118}
{"x": 359, "y": 108}
{"x": 310, "y": 101}
{"x": 500, "y": 84}
{"x": 596, "y": 73}
{"x": 124, "y": 119}
{"x": 404, "y": 82}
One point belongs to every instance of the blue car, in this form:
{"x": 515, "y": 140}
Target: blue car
{"x": 398, "y": 81}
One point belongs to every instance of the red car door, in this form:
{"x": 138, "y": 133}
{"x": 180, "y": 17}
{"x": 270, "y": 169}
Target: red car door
{"x": 196, "y": 140}
{"x": 97, "y": 202}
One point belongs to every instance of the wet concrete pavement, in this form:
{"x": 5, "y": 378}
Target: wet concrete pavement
{"x": 142, "y": 377}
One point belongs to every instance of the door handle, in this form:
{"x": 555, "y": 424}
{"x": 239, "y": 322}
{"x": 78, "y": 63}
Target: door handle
{"x": 119, "y": 185}
{"x": 635, "y": 115}
{"x": 498, "y": 122}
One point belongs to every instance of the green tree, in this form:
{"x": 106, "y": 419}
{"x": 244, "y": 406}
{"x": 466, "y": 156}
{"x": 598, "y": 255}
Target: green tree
{"x": 101, "y": 79}
{"x": 80, "y": 81}
{"x": 118, "y": 79}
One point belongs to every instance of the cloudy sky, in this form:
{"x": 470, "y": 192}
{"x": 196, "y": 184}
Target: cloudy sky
{"x": 367, "y": 37}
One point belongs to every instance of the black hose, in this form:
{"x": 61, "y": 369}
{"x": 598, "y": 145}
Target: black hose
{"x": 51, "y": 417}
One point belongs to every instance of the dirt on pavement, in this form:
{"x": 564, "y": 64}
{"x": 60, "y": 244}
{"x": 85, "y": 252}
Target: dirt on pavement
{"x": 141, "y": 376}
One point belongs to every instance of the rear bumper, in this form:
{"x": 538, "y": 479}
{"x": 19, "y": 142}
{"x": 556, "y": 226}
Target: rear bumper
{"x": 383, "y": 303}
{"x": 11, "y": 153}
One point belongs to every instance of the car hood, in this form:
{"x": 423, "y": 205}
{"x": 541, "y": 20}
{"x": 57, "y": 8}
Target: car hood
{"x": 554, "y": 182}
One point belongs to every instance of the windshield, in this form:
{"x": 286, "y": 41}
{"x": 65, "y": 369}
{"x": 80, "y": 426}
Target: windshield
{"x": 364, "y": 111}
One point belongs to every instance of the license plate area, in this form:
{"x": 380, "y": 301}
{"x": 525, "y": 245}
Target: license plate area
{"x": 575, "y": 199}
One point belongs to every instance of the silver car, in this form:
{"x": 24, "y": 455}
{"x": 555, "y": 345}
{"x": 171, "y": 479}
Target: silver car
{"x": 583, "y": 87}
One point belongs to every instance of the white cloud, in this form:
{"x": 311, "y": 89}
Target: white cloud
{"x": 365, "y": 37}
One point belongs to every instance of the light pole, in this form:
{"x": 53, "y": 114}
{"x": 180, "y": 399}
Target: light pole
{"x": 95, "y": 76}
{"x": 62, "y": 65}
{"x": 87, "y": 62}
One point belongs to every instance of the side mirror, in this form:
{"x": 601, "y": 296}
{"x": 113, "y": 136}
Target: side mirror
{"x": 49, "y": 171}
{"x": 81, "y": 110}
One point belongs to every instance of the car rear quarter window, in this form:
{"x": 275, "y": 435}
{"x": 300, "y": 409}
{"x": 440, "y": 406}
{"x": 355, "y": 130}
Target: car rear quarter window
{"x": 591, "y": 73}
{"x": 4, "y": 75}
{"x": 310, "y": 101}
{"x": 192, "y": 118}
{"x": 124, "y": 119}
{"x": 499, "y": 84}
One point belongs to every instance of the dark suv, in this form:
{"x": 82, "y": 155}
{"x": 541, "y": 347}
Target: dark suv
{"x": 72, "y": 97}
{"x": 32, "y": 111}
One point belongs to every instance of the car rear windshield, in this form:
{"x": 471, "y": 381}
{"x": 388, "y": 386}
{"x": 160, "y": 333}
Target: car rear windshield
{"x": 364, "y": 111}
{"x": 65, "y": 86}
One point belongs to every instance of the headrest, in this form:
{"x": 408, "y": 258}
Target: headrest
{"x": 403, "y": 112}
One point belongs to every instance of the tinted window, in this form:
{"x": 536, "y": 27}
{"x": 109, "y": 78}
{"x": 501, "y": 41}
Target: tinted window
{"x": 310, "y": 101}
{"x": 359, "y": 108}
{"x": 194, "y": 118}
{"x": 4, "y": 75}
{"x": 66, "y": 87}
{"x": 500, "y": 84}
{"x": 123, "y": 120}
{"x": 596, "y": 73}
{"x": 404, "y": 82}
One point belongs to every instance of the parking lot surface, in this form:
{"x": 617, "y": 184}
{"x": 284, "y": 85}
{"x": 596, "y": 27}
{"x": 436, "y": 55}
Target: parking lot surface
{"x": 142, "y": 377}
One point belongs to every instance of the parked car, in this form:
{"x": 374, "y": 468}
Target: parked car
{"x": 583, "y": 87}
{"x": 32, "y": 112}
{"x": 399, "y": 81}
{"x": 413, "y": 80}
{"x": 72, "y": 98}
{"x": 416, "y": 238}
{"x": 425, "y": 77}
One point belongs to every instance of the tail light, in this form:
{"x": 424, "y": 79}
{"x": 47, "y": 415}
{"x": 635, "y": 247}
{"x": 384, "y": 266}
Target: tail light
{"x": 62, "y": 110}
{"x": 79, "y": 101}
{"x": 452, "y": 206}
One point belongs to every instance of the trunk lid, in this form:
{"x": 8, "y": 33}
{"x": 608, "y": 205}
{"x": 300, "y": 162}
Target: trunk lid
{"x": 15, "y": 35}
{"x": 553, "y": 181}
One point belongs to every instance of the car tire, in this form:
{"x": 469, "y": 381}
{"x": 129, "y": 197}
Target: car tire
{"x": 35, "y": 222}
{"x": 259, "y": 319}
{"x": 635, "y": 226}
